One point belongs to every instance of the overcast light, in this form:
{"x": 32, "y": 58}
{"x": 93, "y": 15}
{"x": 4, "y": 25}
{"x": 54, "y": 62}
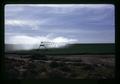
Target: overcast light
{"x": 70, "y": 23}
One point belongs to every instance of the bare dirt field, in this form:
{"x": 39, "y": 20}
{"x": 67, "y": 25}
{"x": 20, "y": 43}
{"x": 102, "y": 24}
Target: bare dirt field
{"x": 59, "y": 67}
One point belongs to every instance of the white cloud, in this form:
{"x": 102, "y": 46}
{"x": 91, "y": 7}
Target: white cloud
{"x": 62, "y": 39}
{"x": 24, "y": 39}
{"x": 21, "y": 40}
{"x": 20, "y": 22}
{"x": 30, "y": 23}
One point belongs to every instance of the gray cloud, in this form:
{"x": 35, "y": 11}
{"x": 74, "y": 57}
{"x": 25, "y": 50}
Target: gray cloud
{"x": 86, "y": 23}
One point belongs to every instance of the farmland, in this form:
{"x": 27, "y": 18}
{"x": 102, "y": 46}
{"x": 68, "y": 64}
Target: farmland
{"x": 77, "y": 61}
{"x": 73, "y": 49}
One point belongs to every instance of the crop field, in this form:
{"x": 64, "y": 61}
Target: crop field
{"x": 73, "y": 49}
{"x": 78, "y": 61}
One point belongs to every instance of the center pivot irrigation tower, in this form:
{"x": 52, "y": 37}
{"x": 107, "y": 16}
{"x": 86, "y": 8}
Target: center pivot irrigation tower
{"x": 45, "y": 45}
{"x": 42, "y": 45}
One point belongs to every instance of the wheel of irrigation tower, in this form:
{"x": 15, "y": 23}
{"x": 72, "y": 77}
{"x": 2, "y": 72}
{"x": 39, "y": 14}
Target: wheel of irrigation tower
{"x": 40, "y": 53}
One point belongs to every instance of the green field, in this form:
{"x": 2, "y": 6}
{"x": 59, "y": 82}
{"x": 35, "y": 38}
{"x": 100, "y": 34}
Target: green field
{"x": 74, "y": 49}
{"x": 84, "y": 49}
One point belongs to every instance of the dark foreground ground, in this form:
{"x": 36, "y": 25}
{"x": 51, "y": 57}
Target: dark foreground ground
{"x": 59, "y": 67}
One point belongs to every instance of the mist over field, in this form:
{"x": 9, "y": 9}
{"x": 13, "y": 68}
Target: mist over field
{"x": 10, "y": 47}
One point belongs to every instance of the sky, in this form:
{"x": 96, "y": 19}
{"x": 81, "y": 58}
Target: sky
{"x": 71, "y": 23}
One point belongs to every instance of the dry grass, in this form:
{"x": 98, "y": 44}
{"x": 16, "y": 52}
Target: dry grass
{"x": 61, "y": 67}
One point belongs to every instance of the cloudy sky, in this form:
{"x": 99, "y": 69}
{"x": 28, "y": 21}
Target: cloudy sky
{"x": 76, "y": 23}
